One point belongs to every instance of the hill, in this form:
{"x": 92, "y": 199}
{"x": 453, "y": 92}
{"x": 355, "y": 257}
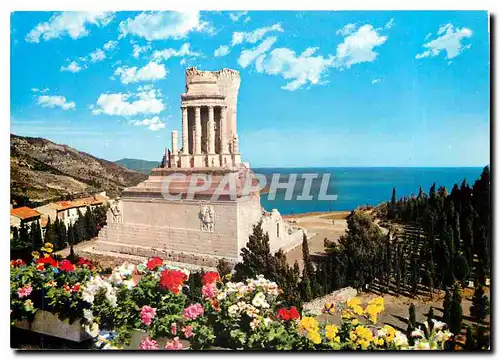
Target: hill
{"x": 42, "y": 171}
{"x": 142, "y": 166}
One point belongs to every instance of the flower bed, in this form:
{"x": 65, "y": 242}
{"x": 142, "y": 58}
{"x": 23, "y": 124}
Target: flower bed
{"x": 151, "y": 306}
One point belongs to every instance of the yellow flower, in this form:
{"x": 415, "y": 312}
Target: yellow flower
{"x": 308, "y": 324}
{"x": 329, "y": 308}
{"x": 49, "y": 250}
{"x": 314, "y": 336}
{"x": 373, "y": 310}
{"x": 355, "y": 322}
{"x": 35, "y": 254}
{"x": 352, "y": 302}
{"x": 331, "y": 331}
{"x": 46, "y": 255}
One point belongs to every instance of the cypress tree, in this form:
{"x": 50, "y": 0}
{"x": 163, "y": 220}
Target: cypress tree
{"x": 461, "y": 271}
{"x": 430, "y": 318}
{"x": 446, "y": 307}
{"x": 309, "y": 267}
{"x": 480, "y": 307}
{"x": 71, "y": 235}
{"x": 456, "y": 313}
{"x": 470, "y": 343}
{"x": 412, "y": 323}
{"x": 482, "y": 338}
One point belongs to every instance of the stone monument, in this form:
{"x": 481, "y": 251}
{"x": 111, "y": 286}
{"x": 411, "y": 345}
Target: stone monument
{"x": 197, "y": 230}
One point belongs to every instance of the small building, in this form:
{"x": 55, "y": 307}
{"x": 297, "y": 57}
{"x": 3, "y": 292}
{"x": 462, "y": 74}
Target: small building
{"x": 23, "y": 215}
{"x": 67, "y": 211}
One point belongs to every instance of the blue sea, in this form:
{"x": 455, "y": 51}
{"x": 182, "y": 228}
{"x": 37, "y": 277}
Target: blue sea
{"x": 361, "y": 186}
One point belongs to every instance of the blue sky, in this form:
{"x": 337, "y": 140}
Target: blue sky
{"x": 319, "y": 88}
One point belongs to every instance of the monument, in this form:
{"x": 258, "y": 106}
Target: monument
{"x": 163, "y": 217}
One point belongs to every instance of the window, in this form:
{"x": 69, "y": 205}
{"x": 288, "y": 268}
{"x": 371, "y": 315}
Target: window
{"x": 278, "y": 230}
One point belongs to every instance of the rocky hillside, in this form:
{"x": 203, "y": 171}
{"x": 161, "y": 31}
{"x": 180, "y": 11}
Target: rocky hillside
{"x": 41, "y": 170}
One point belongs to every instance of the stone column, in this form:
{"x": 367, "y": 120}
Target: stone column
{"x": 175, "y": 151}
{"x": 197, "y": 131}
{"x": 225, "y": 157}
{"x": 185, "y": 134}
{"x": 211, "y": 130}
{"x": 223, "y": 130}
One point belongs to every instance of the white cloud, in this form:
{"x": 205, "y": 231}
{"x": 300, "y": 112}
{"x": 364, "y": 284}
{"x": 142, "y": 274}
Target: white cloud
{"x": 247, "y": 56}
{"x": 110, "y": 45}
{"x": 346, "y": 30}
{"x": 150, "y": 72}
{"x": 358, "y": 47}
{"x": 254, "y": 36}
{"x": 168, "y": 53}
{"x": 450, "y": 40}
{"x": 73, "y": 67}
{"x": 138, "y": 49}
{"x": 389, "y": 24}
{"x": 36, "y": 90}
{"x": 153, "y": 124}
{"x": 302, "y": 69}
{"x": 222, "y": 50}
{"x": 97, "y": 55}
{"x": 146, "y": 101}
{"x": 236, "y": 16}
{"x": 164, "y": 25}
{"x": 376, "y": 81}
{"x": 70, "y": 23}
{"x": 53, "y": 101}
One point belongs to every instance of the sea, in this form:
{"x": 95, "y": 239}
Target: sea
{"x": 354, "y": 187}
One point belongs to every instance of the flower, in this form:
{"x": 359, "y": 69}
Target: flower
{"x": 172, "y": 280}
{"x": 75, "y": 288}
{"x": 174, "y": 345}
{"x": 88, "y": 315}
{"x": 173, "y": 328}
{"x": 418, "y": 333}
{"x": 331, "y": 332}
{"x": 210, "y": 277}
{"x": 188, "y": 331}
{"x": 421, "y": 345}
{"x": 35, "y": 254}
{"x": 193, "y": 311}
{"x": 259, "y": 300}
{"x": 47, "y": 260}
{"x": 254, "y": 324}
{"x": 66, "y": 265}
{"x": 329, "y": 308}
{"x": 85, "y": 263}
{"x": 314, "y": 336}
{"x": 308, "y": 324}
{"x": 51, "y": 283}
{"x": 400, "y": 339}
{"x": 17, "y": 263}
{"x": 147, "y": 314}
{"x": 148, "y": 344}
{"x": 28, "y": 305}
{"x": 438, "y": 325}
{"x": 233, "y": 309}
{"x": 25, "y": 291}
{"x": 288, "y": 314}
{"x": 153, "y": 263}
{"x": 209, "y": 291}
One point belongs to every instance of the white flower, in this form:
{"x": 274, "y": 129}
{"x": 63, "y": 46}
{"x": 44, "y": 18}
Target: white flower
{"x": 471, "y": 284}
{"x": 252, "y": 311}
{"x": 88, "y": 296}
{"x": 259, "y": 299}
{"x": 418, "y": 333}
{"x": 267, "y": 321}
{"x": 400, "y": 339}
{"x": 116, "y": 278}
{"x": 233, "y": 309}
{"x": 443, "y": 335}
{"x": 241, "y": 305}
{"x": 126, "y": 269}
{"x": 221, "y": 296}
{"x": 438, "y": 325}
{"x": 92, "y": 329}
{"x": 254, "y": 324}
{"x": 421, "y": 345}
{"x": 487, "y": 282}
{"x": 87, "y": 315}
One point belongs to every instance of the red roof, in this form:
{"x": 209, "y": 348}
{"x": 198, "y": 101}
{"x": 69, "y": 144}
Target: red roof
{"x": 92, "y": 200}
{"x": 24, "y": 213}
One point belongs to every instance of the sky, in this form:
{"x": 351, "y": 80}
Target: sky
{"x": 318, "y": 88}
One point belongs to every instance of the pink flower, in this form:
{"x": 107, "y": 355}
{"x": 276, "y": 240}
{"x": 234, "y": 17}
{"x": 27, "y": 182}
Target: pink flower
{"x": 174, "y": 345}
{"x": 193, "y": 311}
{"x": 188, "y": 331}
{"x": 147, "y": 314}
{"x": 173, "y": 328}
{"x": 25, "y": 291}
{"x": 148, "y": 344}
{"x": 209, "y": 291}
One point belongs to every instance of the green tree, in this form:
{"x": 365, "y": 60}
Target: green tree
{"x": 224, "y": 267}
{"x": 412, "y": 323}
{"x": 461, "y": 270}
{"x": 480, "y": 308}
{"x": 50, "y": 234}
{"x": 470, "y": 343}
{"x": 456, "y": 313}
{"x": 446, "y": 307}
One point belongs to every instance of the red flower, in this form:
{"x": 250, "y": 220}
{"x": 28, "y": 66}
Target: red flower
{"x": 47, "y": 260}
{"x": 210, "y": 277}
{"x": 85, "y": 263}
{"x": 66, "y": 265}
{"x": 67, "y": 288}
{"x": 76, "y": 287}
{"x": 172, "y": 280}
{"x": 154, "y": 263}
{"x": 17, "y": 263}
{"x": 288, "y": 314}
